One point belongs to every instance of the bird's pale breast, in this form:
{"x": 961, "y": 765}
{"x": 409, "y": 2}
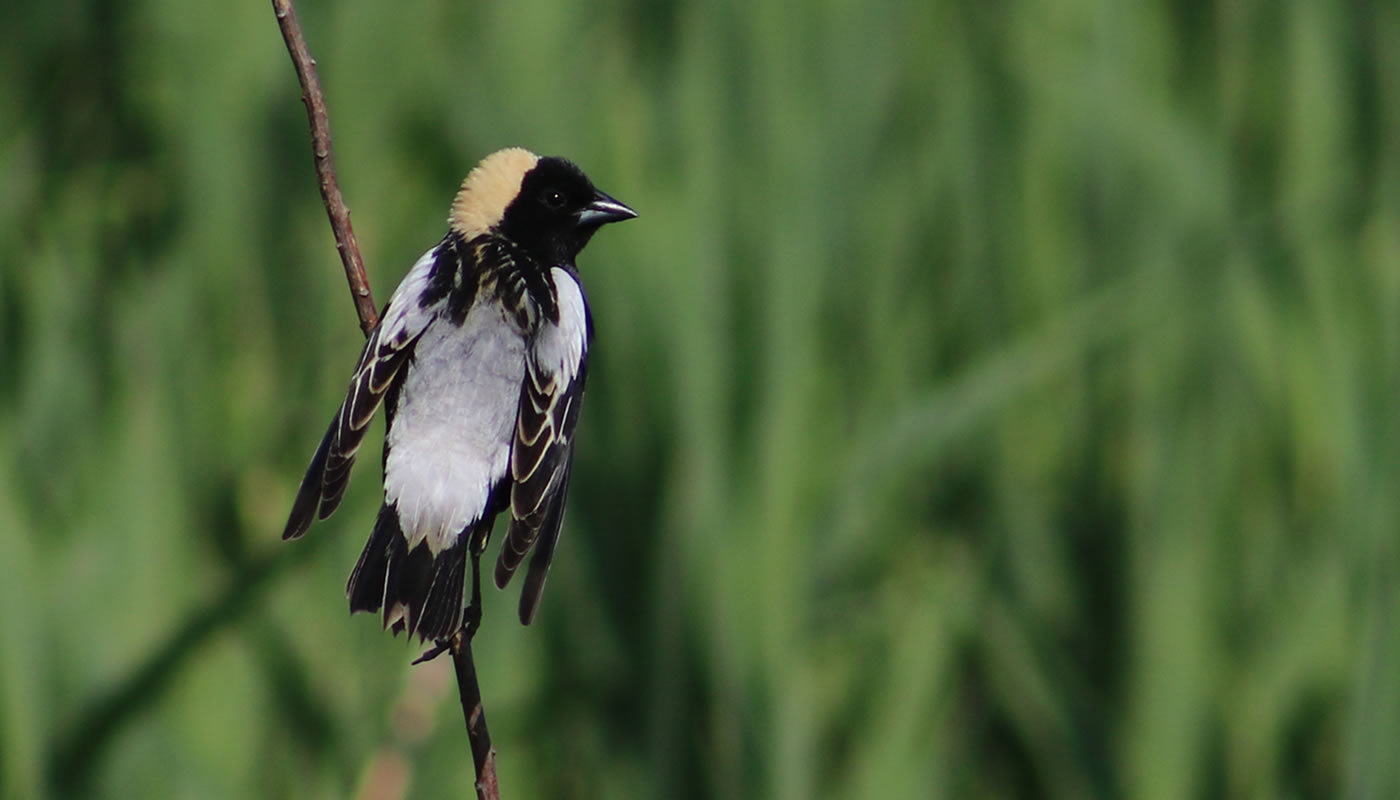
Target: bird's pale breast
{"x": 452, "y": 430}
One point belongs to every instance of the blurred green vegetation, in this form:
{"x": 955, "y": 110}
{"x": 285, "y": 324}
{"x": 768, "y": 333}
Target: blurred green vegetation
{"x": 993, "y": 400}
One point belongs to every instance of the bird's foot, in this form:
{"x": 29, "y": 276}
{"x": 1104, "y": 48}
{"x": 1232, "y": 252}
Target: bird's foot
{"x": 471, "y": 622}
{"x": 439, "y": 647}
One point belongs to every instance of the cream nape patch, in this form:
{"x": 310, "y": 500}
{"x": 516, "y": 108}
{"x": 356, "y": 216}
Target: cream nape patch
{"x": 488, "y": 189}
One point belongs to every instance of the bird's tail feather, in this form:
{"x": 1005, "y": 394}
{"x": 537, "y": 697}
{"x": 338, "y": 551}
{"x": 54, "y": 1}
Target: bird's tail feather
{"x": 414, "y": 590}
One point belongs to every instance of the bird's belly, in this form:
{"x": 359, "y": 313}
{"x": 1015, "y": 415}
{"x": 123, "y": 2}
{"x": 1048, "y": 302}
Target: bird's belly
{"x": 453, "y": 426}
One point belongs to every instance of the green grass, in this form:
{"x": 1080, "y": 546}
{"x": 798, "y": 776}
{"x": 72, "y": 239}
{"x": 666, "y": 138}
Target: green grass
{"x": 993, "y": 400}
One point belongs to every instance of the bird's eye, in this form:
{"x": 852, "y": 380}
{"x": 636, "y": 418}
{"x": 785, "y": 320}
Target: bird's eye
{"x": 553, "y": 199}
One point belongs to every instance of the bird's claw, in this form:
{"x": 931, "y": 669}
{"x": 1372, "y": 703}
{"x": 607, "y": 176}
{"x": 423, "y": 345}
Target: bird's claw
{"x": 471, "y": 621}
{"x": 438, "y": 648}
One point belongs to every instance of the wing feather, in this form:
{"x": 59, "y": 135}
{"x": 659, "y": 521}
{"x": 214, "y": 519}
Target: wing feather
{"x": 389, "y": 348}
{"x": 550, "y": 399}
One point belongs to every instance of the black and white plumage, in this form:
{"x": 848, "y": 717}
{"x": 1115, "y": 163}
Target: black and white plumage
{"x": 479, "y": 359}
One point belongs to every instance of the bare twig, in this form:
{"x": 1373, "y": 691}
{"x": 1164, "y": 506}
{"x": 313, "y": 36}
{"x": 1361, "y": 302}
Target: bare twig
{"x": 473, "y": 715}
{"x": 483, "y": 755}
{"x": 325, "y": 170}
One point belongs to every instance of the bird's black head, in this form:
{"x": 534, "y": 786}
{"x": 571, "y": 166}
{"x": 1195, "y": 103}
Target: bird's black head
{"x": 557, "y": 211}
{"x": 545, "y": 205}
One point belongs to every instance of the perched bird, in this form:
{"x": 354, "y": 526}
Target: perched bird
{"x": 479, "y": 359}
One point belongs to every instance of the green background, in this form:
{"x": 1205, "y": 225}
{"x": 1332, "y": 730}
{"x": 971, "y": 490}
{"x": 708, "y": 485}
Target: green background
{"x": 994, "y": 399}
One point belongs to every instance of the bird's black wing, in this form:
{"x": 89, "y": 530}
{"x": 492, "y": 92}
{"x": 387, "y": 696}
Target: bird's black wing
{"x": 550, "y": 399}
{"x": 388, "y": 349}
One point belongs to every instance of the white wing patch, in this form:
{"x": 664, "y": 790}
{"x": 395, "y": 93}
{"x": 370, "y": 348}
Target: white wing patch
{"x": 403, "y": 318}
{"x": 559, "y": 349}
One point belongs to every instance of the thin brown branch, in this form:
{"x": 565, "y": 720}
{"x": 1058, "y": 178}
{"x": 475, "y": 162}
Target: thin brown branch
{"x": 483, "y": 754}
{"x": 320, "y": 124}
{"x": 473, "y": 714}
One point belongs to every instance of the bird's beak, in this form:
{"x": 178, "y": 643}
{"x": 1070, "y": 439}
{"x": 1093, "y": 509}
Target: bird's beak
{"x": 603, "y": 210}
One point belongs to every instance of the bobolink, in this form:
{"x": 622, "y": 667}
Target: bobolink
{"x": 479, "y": 360}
